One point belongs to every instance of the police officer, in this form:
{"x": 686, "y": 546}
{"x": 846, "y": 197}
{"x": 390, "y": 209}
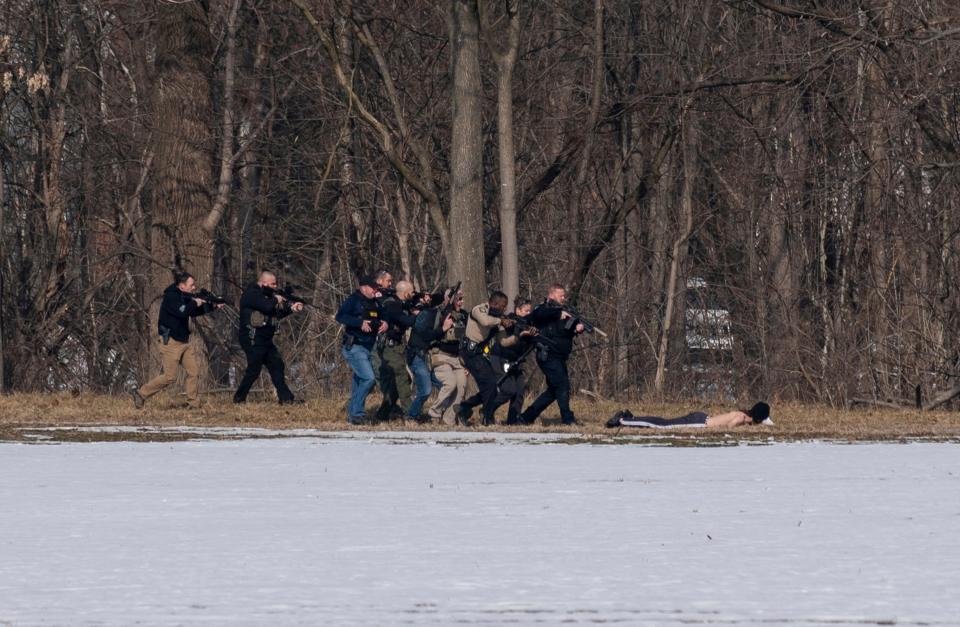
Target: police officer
{"x": 508, "y": 358}
{"x": 173, "y": 325}
{"x": 261, "y": 309}
{"x": 437, "y": 333}
{"x": 552, "y": 354}
{"x": 384, "y": 284}
{"x": 392, "y": 370}
{"x": 360, "y": 316}
{"x": 482, "y": 325}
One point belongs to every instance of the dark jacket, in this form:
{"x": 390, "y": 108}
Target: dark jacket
{"x": 428, "y": 332}
{"x": 547, "y": 317}
{"x": 176, "y": 309}
{"x": 397, "y": 316}
{"x": 257, "y": 298}
{"x": 513, "y": 351}
{"x": 353, "y": 312}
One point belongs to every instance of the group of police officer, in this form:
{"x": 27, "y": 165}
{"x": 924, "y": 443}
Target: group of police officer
{"x": 388, "y": 331}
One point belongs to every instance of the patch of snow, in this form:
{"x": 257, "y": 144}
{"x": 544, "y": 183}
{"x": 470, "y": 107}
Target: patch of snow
{"x": 355, "y": 531}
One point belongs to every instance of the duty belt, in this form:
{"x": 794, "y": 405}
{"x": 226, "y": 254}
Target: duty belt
{"x": 469, "y": 346}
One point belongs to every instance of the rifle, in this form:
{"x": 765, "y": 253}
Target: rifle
{"x": 288, "y": 294}
{"x": 414, "y": 302}
{"x": 208, "y": 297}
{"x": 450, "y": 304}
{"x": 575, "y": 319}
{"x": 512, "y": 365}
{"x": 519, "y": 323}
{"x": 537, "y": 342}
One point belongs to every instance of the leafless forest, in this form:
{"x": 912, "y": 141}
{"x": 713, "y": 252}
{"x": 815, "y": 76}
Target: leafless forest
{"x": 751, "y": 197}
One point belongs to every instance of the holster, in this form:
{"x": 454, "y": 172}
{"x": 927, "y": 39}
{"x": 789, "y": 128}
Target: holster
{"x": 348, "y": 341}
{"x": 165, "y": 334}
{"x": 469, "y": 348}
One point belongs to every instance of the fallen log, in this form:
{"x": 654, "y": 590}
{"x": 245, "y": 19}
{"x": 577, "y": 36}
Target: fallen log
{"x": 943, "y": 397}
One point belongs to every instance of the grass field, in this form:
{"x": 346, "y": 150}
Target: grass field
{"x": 20, "y": 412}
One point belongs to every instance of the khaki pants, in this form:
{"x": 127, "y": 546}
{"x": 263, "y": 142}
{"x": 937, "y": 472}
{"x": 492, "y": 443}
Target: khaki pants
{"x": 453, "y": 380}
{"x": 174, "y": 354}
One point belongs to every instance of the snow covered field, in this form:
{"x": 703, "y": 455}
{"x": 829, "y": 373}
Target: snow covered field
{"x": 365, "y": 530}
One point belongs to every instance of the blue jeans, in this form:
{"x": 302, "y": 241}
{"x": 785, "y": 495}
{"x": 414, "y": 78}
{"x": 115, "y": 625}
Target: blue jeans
{"x": 423, "y": 379}
{"x": 363, "y": 379}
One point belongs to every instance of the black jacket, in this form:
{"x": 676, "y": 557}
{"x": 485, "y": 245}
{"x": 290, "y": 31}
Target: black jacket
{"x": 428, "y": 332}
{"x": 514, "y": 351}
{"x": 256, "y": 298}
{"x": 176, "y": 309}
{"x": 353, "y": 312}
{"x": 397, "y": 316}
{"x": 547, "y": 317}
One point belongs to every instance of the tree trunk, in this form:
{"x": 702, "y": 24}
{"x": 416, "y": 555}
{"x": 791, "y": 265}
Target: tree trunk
{"x": 465, "y": 256}
{"x": 510, "y": 254}
{"x": 678, "y": 254}
{"x": 225, "y": 182}
{"x": 3, "y": 271}
{"x": 183, "y": 118}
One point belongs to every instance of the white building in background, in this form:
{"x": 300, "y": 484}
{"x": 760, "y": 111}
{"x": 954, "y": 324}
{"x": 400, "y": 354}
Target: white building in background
{"x": 707, "y": 324}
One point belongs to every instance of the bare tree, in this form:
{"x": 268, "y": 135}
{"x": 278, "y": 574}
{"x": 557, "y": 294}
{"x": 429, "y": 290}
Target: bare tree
{"x": 506, "y": 58}
{"x": 466, "y": 259}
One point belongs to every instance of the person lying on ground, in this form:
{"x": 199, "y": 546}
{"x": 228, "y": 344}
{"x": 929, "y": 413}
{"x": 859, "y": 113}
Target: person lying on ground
{"x": 756, "y": 415}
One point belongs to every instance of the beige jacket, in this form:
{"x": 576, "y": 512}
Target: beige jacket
{"x": 481, "y": 323}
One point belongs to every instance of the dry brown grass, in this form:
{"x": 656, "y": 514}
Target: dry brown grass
{"x": 22, "y": 412}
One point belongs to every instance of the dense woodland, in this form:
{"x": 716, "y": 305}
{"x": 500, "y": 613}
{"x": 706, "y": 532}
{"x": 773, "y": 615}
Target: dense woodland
{"x": 799, "y": 158}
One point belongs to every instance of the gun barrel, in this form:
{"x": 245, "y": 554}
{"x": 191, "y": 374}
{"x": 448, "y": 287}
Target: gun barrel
{"x": 208, "y": 296}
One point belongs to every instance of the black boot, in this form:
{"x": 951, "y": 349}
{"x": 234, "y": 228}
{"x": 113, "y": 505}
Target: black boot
{"x": 463, "y": 415}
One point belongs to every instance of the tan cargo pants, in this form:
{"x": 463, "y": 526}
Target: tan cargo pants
{"x": 453, "y": 381}
{"x": 174, "y": 354}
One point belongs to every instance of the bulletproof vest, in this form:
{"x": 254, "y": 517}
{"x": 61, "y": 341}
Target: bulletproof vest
{"x": 396, "y": 330}
{"x": 258, "y": 319}
{"x": 371, "y": 312}
{"x": 457, "y": 331}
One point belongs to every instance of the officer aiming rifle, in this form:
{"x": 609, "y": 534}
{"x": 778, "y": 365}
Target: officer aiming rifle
{"x": 289, "y": 294}
{"x": 262, "y": 306}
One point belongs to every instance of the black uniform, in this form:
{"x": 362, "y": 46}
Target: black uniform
{"x": 552, "y": 358}
{"x": 508, "y": 360}
{"x": 257, "y": 341}
{"x": 176, "y": 309}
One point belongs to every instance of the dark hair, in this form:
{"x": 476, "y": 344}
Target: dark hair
{"x": 181, "y": 277}
{"x": 379, "y": 274}
{"x": 521, "y": 302}
{"x": 497, "y": 295}
{"x": 759, "y": 412}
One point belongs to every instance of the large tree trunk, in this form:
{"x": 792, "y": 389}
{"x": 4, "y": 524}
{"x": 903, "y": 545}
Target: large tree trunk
{"x": 465, "y": 256}
{"x": 510, "y": 253}
{"x": 3, "y": 270}
{"x": 183, "y": 118}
